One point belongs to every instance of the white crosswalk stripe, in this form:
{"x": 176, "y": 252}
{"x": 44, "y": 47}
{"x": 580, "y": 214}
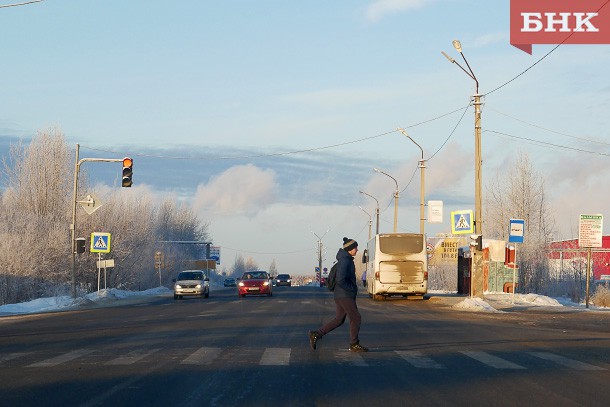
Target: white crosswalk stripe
{"x": 418, "y": 359}
{"x": 563, "y": 361}
{"x": 491, "y": 360}
{"x": 275, "y": 357}
{"x": 132, "y": 357}
{"x": 11, "y": 356}
{"x": 352, "y": 358}
{"x": 202, "y": 356}
{"x": 66, "y": 357}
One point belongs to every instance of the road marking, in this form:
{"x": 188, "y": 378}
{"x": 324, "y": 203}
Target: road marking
{"x": 491, "y": 360}
{"x": 563, "y": 361}
{"x": 418, "y": 359}
{"x": 12, "y": 356}
{"x": 275, "y": 357}
{"x": 202, "y": 356}
{"x": 66, "y": 357}
{"x": 132, "y": 357}
{"x": 352, "y": 358}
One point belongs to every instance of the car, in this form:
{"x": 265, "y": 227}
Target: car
{"x": 229, "y": 282}
{"x": 193, "y": 283}
{"x": 255, "y": 282}
{"x": 283, "y": 279}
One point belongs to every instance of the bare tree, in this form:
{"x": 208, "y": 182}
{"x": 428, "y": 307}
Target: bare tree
{"x": 519, "y": 193}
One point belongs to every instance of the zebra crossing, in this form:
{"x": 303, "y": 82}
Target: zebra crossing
{"x": 279, "y": 356}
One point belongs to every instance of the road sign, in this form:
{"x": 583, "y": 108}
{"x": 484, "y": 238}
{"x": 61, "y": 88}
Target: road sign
{"x": 100, "y": 242}
{"x": 590, "y": 230}
{"x": 90, "y": 204}
{"x": 516, "y": 230}
{"x": 435, "y": 211}
{"x": 215, "y": 253}
{"x": 462, "y": 222}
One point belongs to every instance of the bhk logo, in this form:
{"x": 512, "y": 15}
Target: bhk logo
{"x": 559, "y": 22}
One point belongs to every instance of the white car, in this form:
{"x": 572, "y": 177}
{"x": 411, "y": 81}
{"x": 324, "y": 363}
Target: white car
{"x": 191, "y": 283}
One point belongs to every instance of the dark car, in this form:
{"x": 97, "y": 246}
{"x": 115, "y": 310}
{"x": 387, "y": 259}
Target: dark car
{"x": 283, "y": 279}
{"x": 254, "y": 282}
{"x": 230, "y": 282}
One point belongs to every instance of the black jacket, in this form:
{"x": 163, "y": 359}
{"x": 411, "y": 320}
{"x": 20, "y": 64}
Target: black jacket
{"x": 346, "y": 286}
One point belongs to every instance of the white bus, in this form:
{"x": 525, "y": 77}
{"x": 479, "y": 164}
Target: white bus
{"x": 396, "y": 264}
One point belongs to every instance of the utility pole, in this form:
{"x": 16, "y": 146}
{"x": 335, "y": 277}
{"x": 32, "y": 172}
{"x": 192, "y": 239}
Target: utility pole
{"x": 395, "y": 197}
{"x": 376, "y": 211}
{"x": 422, "y": 169}
{"x": 477, "y": 258}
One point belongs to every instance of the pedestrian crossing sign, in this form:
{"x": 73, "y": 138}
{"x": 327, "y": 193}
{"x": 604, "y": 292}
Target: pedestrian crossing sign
{"x": 462, "y": 222}
{"x": 100, "y": 242}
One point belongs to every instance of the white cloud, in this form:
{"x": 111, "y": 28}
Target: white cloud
{"x": 378, "y": 9}
{"x": 491, "y": 38}
{"x": 243, "y": 189}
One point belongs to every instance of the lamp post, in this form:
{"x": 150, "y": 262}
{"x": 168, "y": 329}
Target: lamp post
{"x": 422, "y": 168}
{"x": 319, "y": 272}
{"x": 370, "y": 221}
{"x": 477, "y": 258}
{"x": 376, "y": 210}
{"x": 478, "y": 217}
{"x": 395, "y": 197}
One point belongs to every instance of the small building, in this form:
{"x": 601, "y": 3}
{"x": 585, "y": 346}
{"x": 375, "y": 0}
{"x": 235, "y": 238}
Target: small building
{"x": 566, "y": 258}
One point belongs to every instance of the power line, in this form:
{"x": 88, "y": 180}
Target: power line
{"x": 547, "y": 144}
{"x": 21, "y": 4}
{"x": 550, "y": 130}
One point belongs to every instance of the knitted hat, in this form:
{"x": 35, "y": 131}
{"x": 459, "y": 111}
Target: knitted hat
{"x": 349, "y": 244}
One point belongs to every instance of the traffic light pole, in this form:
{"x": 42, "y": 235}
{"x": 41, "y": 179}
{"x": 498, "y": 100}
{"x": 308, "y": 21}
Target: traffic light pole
{"x": 74, "y": 202}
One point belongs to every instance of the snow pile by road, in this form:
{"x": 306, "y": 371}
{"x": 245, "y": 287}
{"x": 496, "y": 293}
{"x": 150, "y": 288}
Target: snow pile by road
{"x": 67, "y": 302}
{"x": 474, "y": 304}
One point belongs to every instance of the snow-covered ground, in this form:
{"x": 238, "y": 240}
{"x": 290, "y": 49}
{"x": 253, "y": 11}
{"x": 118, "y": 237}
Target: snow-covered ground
{"x": 65, "y": 302}
{"x": 493, "y": 302}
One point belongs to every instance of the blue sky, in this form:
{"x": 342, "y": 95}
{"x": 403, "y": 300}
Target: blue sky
{"x": 268, "y": 116}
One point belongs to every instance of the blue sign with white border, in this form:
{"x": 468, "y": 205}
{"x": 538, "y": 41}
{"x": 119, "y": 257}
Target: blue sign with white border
{"x": 100, "y": 242}
{"x": 516, "y": 231}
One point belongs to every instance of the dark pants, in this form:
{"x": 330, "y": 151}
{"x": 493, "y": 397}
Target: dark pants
{"x": 345, "y": 307}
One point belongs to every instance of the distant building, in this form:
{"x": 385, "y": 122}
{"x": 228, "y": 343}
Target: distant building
{"x": 567, "y": 259}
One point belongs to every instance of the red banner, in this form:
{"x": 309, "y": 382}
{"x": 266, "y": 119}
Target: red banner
{"x": 559, "y": 22}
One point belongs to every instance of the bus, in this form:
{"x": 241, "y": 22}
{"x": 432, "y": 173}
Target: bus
{"x": 396, "y": 264}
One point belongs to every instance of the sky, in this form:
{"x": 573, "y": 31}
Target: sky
{"x": 268, "y": 117}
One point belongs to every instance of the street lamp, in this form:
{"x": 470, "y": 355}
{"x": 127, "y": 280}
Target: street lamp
{"x": 477, "y": 258}
{"x": 370, "y": 221}
{"x": 422, "y": 168}
{"x": 376, "y": 210}
{"x": 395, "y": 197}
{"x": 319, "y": 272}
{"x": 478, "y": 217}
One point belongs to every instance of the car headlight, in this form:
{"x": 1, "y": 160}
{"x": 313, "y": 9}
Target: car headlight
{"x": 241, "y": 284}
{"x": 198, "y": 286}
{"x": 288, "y": 280}
{"x": 178, "y": 286}
{"x": 266, "y": 283}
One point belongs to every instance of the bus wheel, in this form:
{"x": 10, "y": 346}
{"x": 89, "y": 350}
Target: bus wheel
{"x": 377, "y": 297}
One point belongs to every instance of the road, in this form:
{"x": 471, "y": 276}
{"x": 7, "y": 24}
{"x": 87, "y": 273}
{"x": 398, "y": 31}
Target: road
{"x": 225, "y": 351}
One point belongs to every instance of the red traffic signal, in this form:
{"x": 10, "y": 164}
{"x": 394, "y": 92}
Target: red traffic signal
{"x": 127, "y": 172}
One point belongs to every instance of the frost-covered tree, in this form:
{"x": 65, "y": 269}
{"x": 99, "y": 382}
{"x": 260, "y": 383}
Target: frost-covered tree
{"x": 520, "y": 193}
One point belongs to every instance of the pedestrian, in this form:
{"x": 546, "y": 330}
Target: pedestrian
{"x": 345, "y": 293}
{"x": 364, "y": 278}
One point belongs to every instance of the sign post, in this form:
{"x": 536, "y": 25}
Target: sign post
{"x": 515, "y": 235}
{"x": 100, "y": 243}
{"x": 590, "y": 229}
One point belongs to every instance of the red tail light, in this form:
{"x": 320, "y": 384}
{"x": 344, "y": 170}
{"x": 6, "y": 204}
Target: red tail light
{"x": 426, "y": 275}
{"x": 377, "y": 275}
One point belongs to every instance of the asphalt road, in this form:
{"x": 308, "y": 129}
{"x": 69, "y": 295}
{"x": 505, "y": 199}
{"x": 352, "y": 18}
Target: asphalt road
{"x": 225, "y": 351}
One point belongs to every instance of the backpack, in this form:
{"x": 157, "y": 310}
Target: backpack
{"x": 331, "y": 280}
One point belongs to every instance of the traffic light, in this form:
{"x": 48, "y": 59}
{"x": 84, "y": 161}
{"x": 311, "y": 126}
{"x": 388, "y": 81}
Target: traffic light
{"x": 80, "y": 245}
{"x": 127, "y": 171}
